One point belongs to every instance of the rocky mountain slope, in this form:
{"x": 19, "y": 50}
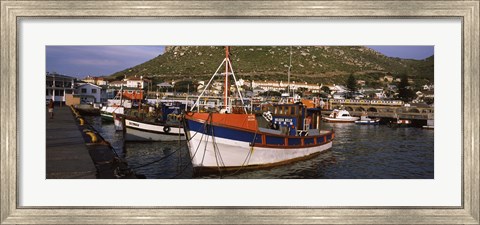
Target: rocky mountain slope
{"x": 315, "y": 64}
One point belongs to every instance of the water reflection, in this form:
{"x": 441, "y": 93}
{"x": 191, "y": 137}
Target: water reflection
{"x": 358, "y": 152}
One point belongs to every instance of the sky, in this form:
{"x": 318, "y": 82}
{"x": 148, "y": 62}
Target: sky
{"x": 405, "y": 52}
{"x": 80, "y": 61}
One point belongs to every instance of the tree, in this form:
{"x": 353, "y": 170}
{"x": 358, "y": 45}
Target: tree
{"x": 404, "y": 92}
{"x": 352, "y": 84}
{"x": 325, "y": 89}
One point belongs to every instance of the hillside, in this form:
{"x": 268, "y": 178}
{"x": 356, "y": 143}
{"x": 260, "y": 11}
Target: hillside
{"x": 316, "y": 64}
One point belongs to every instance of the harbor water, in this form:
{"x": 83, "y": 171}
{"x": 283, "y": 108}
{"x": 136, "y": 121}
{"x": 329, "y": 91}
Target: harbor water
{"x": 358, "y": 152}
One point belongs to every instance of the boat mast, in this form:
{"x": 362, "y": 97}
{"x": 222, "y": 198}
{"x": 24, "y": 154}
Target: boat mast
{"x": 228, "y": 67}
{"x": 227, "y": 61}
{"x": 289, "y": 68}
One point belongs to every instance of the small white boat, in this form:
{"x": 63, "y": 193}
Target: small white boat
{"x": 340, "y": 116}
{"x": 365, "y": 120}
{"x": 400, "y": 123}
{"x": 107, "y": 112}
{"x": 138, "y": 130}
{"x": 115, "y": 106}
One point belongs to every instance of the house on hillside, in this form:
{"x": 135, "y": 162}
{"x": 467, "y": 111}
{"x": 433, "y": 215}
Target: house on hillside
{"x": 117, "y": 83}
{"x": 427, "y": 87}
{"x": 135, "y": 82}
{"x": 95, "y": 80}
{"x": 388, "y": 78}
{"x": 392, "y": 87}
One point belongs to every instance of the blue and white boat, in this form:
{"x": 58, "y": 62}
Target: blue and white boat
{"x": 281, "y": 134}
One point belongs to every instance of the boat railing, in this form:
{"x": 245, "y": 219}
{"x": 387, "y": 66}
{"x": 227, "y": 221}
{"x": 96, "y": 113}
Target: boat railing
{"x": 215, "y": 103}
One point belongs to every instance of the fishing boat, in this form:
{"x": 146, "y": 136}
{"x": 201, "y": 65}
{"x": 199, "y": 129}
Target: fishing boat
{"x": 107, "y": 112}
{"x": 224, "y": 140}
{"x": 340, "y": 116}
{"x": 365, "y": 120}
{"x": 167, "y": 127}
{"x": 115, "y": 106}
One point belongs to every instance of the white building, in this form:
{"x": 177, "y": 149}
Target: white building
{"x": 95, "y": 80}
{"x": 281, "y": 86}
{"x": 135, "y": 82}
{"x": 89, "y": 93}
{"x": 57, "y": 86}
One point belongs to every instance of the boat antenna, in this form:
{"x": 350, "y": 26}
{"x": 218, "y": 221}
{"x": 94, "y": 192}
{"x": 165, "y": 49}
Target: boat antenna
{"x": 289, "y": 68}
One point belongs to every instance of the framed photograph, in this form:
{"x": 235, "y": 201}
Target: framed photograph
{"x": 404, "y": 74}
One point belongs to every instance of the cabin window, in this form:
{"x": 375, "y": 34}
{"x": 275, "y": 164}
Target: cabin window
{"x": 84, "y": 90}
{"x": 345, "y": 115}
{"x": 281, "y": 110}
{"x": 292, "y": 111}
{"x": 94, "y": 91}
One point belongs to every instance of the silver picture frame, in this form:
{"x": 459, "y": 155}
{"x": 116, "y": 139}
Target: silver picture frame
{"x": 12, "y": 11}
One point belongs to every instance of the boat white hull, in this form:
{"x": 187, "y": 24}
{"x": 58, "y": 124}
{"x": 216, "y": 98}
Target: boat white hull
{"x": 138, "y": 131}
{"x": 231, "y": 153}
{"x": 341, "y": 120}
{"x": 372, "y": 122}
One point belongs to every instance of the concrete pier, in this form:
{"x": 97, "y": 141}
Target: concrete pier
{"x": 67, "y": 156}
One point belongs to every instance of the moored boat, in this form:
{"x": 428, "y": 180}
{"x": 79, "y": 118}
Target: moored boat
{"x": 340, "y": 116}
{"x": 232, "y": 141}
{"x": 115, "y": 106}
{"x": 400, "y": 123}
{"x": 107, "y": 112}
{"x": 167, "y": 127}
{"x": 365, "y": 120}
{"x": 140, "y": 130}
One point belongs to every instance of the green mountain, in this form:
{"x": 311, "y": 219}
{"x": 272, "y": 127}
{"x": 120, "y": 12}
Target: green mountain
{"x": 314, "y": 64}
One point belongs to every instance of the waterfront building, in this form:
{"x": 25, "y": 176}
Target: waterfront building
{"x": 282, "y": 86}
{"x": 89, "y": 93}
{"x": 58, "y": 85}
